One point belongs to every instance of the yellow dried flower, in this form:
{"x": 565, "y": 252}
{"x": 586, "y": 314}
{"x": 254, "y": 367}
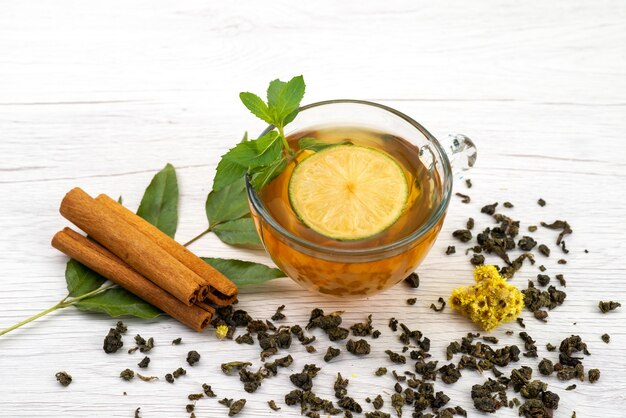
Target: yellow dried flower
{"x": 489, "y": 302}
{"x": 221, "y": 331}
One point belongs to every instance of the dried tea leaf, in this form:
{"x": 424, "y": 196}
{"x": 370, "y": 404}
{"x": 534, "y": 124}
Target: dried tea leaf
{"x": 279, "y": 315}
{"x": 463, "y": 235}
{"x": 464, "y": 198}
{"x": 413, "y": 280}
{"x": 489, "y": 209}
{"x": 234, "y": 366}
{"x": 63, "y": 378}
{"x": 359, "y": 347}
{"x": 272, "y": 405}
{"x": 608, "y": 306}
{"x": 127, "y": 374}
{"x": 236, "y": 407}
{"x": 562, "y": 225}
{"x": 331, "y": 353}
{"x": 442, "y": 304}
{"x": 113, "y": 340}
{"x": 193, "y": 357}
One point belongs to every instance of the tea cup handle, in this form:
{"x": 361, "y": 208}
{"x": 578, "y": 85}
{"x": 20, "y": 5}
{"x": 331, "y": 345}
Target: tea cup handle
{"x": 461, "y": 153}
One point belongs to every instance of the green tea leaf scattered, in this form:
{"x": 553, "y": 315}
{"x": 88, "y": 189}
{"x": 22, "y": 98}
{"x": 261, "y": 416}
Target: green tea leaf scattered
{"x": 81, "y": 279}
{"x": 244, "y": 273}
{"x": 159, "y": 204}
{"x": 118, "y": 302}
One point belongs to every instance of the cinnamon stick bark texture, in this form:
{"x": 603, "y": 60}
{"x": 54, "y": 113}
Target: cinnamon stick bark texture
{"x": 133, "y": 247}
{"x": 108, "y": 265}
{"x": 221, "y": 290}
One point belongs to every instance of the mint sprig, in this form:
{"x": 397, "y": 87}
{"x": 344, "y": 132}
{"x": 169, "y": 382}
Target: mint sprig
{"x": 263, "y": 156}
{"x": 263, "y": 159}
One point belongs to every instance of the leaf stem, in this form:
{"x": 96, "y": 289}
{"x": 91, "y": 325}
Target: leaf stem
{"x": 87, "y": 295}
{"x": 32, "y": 318}
{"x": 197, "y": 237}
{"x": 288, "y": 149}
{"x": 63, "y": 303}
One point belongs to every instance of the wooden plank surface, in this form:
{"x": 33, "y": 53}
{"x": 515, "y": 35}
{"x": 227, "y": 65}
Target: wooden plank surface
{"x": 102, "y": 95}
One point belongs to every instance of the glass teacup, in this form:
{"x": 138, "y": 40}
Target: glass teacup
{"x": 364, "y": 270}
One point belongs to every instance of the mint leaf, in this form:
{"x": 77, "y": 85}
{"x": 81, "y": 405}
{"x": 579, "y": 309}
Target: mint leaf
{"x": 274, "y": 91}
{"x": 268, "y": 148}
{"x": 256, "y": 105}
{"x": 315, "y": 144}
{"x": 159, "y": 204}
{"x": 245, "y": 156}
{"x": 284, "y": 100}
{"x": 81, "y": 279}
{"x": 228, "y": 203}
{"x": 264, "y": 175}
{"x": 118, "y": 302}
{"x": 240, "y": 233}
{"x": 244, "y": 273}
{"x": 228, "y": 172}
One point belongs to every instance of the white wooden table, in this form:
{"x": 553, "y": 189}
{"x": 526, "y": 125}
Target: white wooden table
{"x": 102, "y": 94}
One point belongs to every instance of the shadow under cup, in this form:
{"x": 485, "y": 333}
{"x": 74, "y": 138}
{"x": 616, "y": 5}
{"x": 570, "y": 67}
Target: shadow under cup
{"x": 362, "y": 272}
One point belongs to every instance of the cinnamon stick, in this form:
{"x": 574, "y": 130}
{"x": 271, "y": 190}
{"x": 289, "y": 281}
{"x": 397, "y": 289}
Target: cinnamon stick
{"x": 108, "y": 265}
{"x": 136, "y": 249}
{"x": 221, "y": 290}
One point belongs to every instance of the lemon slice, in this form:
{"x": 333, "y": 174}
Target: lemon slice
{"x": 348, "y": 192}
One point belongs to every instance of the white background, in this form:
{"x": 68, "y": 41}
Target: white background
{"x": 102, "y": 94}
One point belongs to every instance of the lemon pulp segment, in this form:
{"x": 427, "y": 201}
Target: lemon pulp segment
{"x": 348, "y": 192}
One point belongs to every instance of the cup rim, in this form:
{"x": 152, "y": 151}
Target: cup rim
{"x": 258, "y": 206}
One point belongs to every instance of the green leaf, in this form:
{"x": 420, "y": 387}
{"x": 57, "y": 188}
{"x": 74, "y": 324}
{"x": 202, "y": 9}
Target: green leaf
{"x": 245, "y": 137}
{"x": 118, "y": 302}
{"x": 284, "y": 99}
{"x": 227, "y": 172}
{"x": 247, "y": 155}
{"x": 244, "y": 273}
{"x": 256, "y": 105}
{"x": 315, "y": 144}
{"x": 228, "y": 203}
{"x": 273, "y": 92}
{"x": 241, "y": 233}
{"x": 159, "y": 204}
{"x": 81, "y": 279}
{"x": 265, "y": 175}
